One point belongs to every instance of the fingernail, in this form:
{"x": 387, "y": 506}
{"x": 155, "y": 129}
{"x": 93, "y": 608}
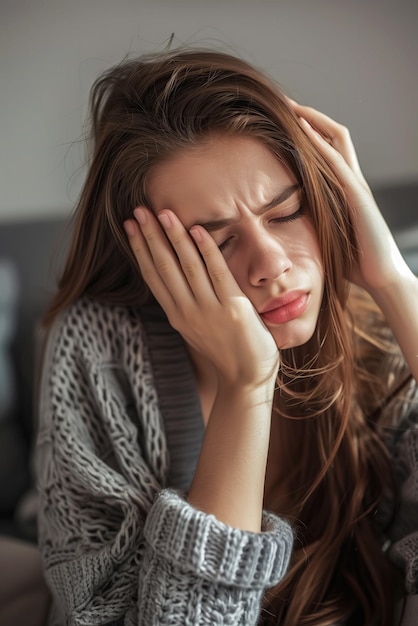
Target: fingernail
{"x": 304, "y": 122}
{"x": 140, "y": 215}
{"x": 196, "y": 234}
{"x": 129, "y": 228}
{"x": 165, "y": 219}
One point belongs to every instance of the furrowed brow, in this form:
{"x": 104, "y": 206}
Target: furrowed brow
{"x": 212, "y": 225}
{"x": 279, "y": 199}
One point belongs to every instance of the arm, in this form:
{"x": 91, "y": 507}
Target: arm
{"x": 112, "y": 547}
{"x": 398, "y": 301}
{"x": 230, "y": 475}
{"x": 381, "y": 270}
{"x": 204, "y": 303}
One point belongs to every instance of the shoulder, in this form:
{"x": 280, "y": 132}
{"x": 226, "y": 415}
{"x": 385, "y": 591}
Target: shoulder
{"x": 96, "y": 333}
{"x": 97, "y": 392}
{"x": 100, "y": 355}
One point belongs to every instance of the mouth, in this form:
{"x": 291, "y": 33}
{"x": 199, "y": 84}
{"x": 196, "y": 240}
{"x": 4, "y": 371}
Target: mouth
{"x": 284, "y": 309}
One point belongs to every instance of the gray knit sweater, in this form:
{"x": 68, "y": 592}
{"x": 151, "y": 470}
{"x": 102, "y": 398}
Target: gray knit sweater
{"x": 120, "y": 431}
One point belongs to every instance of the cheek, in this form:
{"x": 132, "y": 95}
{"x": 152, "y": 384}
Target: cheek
{"x": 309, "y": 249}
{"x": 313, "y": 266}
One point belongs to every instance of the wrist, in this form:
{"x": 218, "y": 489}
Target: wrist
{"x": 250, "y": 395}
{"x": 396, "y": 288}
{"x": 230, "y": 474}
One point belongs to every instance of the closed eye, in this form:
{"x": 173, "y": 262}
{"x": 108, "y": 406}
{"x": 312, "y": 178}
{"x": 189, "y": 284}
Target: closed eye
{"x": 223, "y": 246}
{"x": 289, "y": 218}
{"x": 276, "y": 220}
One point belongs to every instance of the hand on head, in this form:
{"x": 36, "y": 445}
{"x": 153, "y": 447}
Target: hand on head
{"x": 380, "y": 263}
{"x": 189, "y": 277}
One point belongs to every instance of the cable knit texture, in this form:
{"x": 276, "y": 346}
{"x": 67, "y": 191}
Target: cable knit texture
{"x": 119, "y": 544}
{"x": 120, "y": 430}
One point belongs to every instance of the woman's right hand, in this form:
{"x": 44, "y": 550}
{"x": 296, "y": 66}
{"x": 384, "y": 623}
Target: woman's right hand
{"x": 201, "y": 298}
{"x": 190, "y": 279}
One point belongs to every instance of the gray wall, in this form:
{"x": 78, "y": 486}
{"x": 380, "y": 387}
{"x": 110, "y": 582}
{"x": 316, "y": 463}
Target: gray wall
{"x": 354, "y": 59}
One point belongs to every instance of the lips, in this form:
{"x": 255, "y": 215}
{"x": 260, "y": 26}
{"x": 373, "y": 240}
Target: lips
{"x": 286, "y": 308}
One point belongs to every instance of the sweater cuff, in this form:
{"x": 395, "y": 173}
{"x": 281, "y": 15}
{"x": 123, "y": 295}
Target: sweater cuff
{"x": 200, "y": 544}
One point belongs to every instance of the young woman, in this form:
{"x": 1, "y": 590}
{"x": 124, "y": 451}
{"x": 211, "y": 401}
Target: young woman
{"x": 228, "y": 426}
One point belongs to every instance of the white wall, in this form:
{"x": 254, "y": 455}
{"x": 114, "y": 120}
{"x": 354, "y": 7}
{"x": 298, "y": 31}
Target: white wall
{"x": 355, "y": 59}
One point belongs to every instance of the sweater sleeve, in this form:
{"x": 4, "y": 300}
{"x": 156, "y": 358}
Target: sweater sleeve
{"x": 117, "y": 546}
{"x": 403, "y": 534}
{"x": 222, "y": 571}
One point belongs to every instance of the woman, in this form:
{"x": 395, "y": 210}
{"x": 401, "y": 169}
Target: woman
{"x": 227, "y": 425}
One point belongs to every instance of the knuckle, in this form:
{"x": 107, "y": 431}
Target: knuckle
{"x": 137, "y": 249}
{"x": 163, "y": 266}
{"x": 146, "y": 273}
{"x": 344, "y": 132}
{"x": 149, "y": 236}
{"x": 178, "y": 317}
{"x": 211, "y": 253}
{"x": 176, "y": 237}
{"x": 217, "y": 275}
{"x": 190, "y": 269}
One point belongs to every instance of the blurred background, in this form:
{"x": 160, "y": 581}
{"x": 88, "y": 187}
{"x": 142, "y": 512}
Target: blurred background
{"x": 355, "y": 60}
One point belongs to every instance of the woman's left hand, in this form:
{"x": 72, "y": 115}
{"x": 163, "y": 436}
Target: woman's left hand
{"x": 380, "y": 262}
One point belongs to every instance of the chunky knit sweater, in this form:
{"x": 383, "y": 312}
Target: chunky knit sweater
{"x": 120, "y": 431}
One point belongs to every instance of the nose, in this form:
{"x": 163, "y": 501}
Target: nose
{"x": 268, "y": 257}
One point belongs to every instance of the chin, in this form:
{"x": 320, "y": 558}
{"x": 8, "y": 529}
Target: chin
{"x": 287, "y": 339}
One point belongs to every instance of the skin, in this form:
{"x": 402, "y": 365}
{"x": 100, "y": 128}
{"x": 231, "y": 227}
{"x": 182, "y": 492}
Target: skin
{"x": 216, "y": 299}
{"x": 270, "y": 253}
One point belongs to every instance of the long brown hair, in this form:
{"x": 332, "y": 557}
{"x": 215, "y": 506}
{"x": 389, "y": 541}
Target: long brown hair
{"x": 333, "y": 465}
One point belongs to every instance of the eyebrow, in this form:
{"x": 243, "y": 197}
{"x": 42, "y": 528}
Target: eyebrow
{"x": 281, "y": 197}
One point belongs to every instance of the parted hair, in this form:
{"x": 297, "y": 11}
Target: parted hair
{"x": 332, "y": 464}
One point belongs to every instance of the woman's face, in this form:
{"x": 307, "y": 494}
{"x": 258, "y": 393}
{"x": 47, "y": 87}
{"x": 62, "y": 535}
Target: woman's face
{"x": 254, "y": 209}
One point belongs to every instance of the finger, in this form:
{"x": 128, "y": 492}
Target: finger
{"x": 191, "y": 263}
{"x": 147, "y": 266}
{"x": 335, "y": 134}
{"x": 324, "y": 124}
{"x": 164, "y": 255}
{"x": 343, "y": 169}
{"x": 348, "y": 172}
{"x": 222, "y": 280}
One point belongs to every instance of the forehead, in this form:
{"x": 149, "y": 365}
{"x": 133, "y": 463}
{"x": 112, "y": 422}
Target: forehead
{"x": 218, "y": 175}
